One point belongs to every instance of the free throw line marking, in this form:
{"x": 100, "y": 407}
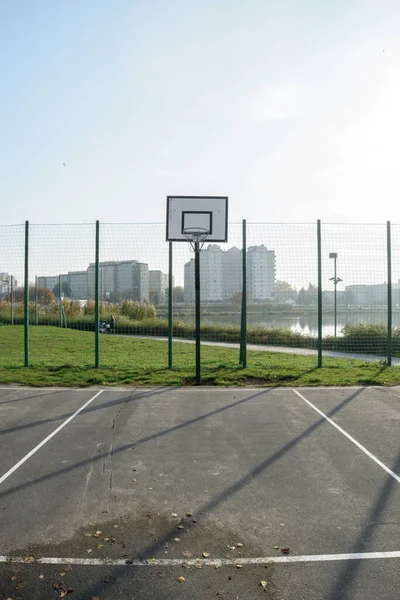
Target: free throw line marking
{"x": 43, "y": 442}
{"x": 176, "y": 562}
{"x": 349, "y": 437}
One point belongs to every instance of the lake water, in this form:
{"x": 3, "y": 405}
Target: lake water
{"x": 306, "y": 324}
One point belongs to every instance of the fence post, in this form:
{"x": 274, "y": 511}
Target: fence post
{"x": 319, "y": 293}
{"x": 96, "y": 300}
{"x": 170, "y": 300}
{"x": 36, "y": 301}
{"x": 389, "y": 294}
{"x": 197, "y": 309}
{"x": 60, "y": 299}
{"x": 12, "y": 299}
{"x": 26, "y": 296}
{"x": 243, "y": 316}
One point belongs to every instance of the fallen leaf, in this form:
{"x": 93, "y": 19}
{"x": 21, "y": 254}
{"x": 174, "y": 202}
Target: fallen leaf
{"x": 217, "y": 566}
{"x": 14, "y": 578}
{"x": 264, "y": 583}
{"x": 41, "y": 576}
{"x": 88, "y": 535}
{"x": 206, "y": 554}
{"x": 181, "y": 579}
{"x": 239, "y": 566}
{"x": 100, "y": 546}
{"x": 97, "y": 534}
{"x": 174, "y": 515}
{"x": 231, "y": 547}
{"x": 115, "y": 526}
{"x": 29, "y": 559}
{"x": 89, "y": 550}
{"x": 276, "y": 547}
{"x": 20, "y": 586}
{"x": 239, "y": 545}
{"x": 187, "y": 554}
{"x": 96, "y": 598}
{"x": 281, "y": 524}
{"x": 62, "y": 574}
{"x": 285, "y": 550}
{"x": 189, "y": 514}
{"x": 177, "y": 540}
{"x": 181, "y": 527}
{"x": 91, "y": 524}
{"x": 198, "y": 563}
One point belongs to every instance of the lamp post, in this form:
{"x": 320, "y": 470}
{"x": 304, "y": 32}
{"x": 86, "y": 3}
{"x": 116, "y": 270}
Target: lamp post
{"x": 335, "y": 280}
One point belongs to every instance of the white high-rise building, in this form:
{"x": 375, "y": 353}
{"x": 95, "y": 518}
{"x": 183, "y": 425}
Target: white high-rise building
{"x": 232, "y": 273}
{"x": 5, "y": 283}
{"x": 221, "y": 274}
{"x": 211, "y": 275}
{"x": 260, "y": 273}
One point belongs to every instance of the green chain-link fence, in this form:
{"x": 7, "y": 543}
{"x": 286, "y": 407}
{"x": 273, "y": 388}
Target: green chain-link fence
{"x": 127, "y": 290}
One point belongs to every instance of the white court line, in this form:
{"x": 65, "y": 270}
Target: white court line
{"x": 43, "y": 442}
{"x": 176, "y": 562}
{"x": 349, "y": 437}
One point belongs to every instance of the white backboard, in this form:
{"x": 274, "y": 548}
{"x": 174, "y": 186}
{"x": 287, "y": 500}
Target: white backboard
{"x": 206, "y": 212}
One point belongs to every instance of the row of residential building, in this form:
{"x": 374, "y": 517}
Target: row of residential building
{"x": 126, "y": 279}
{"x": 221, "y": 274}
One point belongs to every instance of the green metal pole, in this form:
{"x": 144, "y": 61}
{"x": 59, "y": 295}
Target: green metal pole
{"x": 243, "y": 319}
{"x": 26, "y": 296}
{"x": 60, "y": 299}
{"x": 12, "y": 300}
{"x": 197, "y": 298}
{"x": 389, "y": 295}
{"x": 335, "y": 295}
{"x": 319, "y": 293}
{"x": 170, "y": 299}
{"x": 96, "y": 300}
{"x": 36, "y": 302}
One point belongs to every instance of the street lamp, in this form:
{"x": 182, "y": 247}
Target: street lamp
{"x": 335, "y": 280}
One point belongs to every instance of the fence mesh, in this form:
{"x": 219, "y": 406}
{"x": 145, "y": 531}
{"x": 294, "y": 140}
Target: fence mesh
{"x": 281, "y": 294}
{"x": 12, "y": 251}
{"x": 359, "y": 254}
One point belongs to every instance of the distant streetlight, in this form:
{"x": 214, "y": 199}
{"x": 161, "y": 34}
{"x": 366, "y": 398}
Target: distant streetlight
{"x": 335, "y": 280}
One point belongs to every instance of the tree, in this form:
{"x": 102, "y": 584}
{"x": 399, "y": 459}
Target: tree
{"x": 284, "y": 291}
{"x": 237, "y": 298}
{"x": 45, "y": 296}
{"x": 177, "y": 294}
{"x": 153, "y": 297}
{"x": 65, "y": 289}
{"x": 302, "y": 297}
{"x": 309, "y": 296}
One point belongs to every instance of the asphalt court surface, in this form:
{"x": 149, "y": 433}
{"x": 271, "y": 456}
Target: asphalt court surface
{"x": 116, "y": 493}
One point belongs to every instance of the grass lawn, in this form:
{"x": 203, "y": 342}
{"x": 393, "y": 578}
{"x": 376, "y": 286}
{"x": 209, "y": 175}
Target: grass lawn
{"x": 65, "y": 357}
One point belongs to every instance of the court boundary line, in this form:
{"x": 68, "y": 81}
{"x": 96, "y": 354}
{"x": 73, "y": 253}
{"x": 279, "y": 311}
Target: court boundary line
{"x": 207, "y": 562}
{"x": 349, "y": 437}
{"x": 48, "y": 438}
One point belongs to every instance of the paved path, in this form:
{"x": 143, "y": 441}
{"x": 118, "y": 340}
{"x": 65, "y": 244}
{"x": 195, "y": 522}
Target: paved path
{"x": 284, "y": 349}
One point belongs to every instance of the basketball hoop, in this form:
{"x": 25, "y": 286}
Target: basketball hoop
{"x": 196, "y": 235}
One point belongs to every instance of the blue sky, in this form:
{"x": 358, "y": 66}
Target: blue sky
{"x": 289, "y": 107}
